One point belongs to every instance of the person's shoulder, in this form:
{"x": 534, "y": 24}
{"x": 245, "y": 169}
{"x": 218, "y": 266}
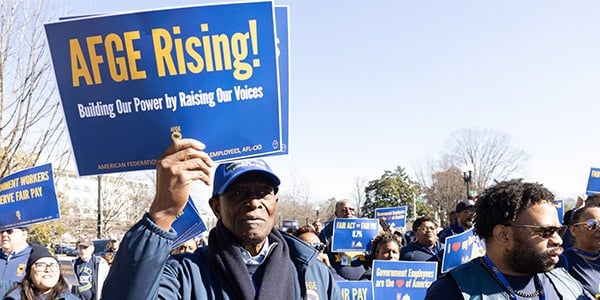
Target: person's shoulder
{"x": 444, "y": 287}
{"x": 66, "y": 295}
{"x": 410, "y": 247}
{"x": 299, "y": 250}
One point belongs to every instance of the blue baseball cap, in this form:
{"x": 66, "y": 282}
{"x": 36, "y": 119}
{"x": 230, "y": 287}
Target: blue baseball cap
{"x": 227, "y": 173}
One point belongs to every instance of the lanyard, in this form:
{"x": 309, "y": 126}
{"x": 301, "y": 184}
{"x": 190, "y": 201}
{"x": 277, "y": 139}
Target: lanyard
{"x": 513, "y": 295}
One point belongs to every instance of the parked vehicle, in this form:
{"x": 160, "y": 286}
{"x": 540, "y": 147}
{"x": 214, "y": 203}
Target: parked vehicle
{"x": 62, "y": 248}
{"x": 71, "y": 251}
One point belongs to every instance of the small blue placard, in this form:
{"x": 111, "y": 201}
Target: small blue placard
{"x": 593, "y": 185}
{"x": 395, "y": 217}
{"x": 402, "y": 279}
{"x": 188, "y": 225}
{"x": 459, "y": 249}
{"x": 131, "y": 83}
{"x": 560, "y": 209}
{"x": 353, "y": 234}
{"x": 289, "y": 224}
{"x": 356, "y": 290}
{"x": 28, "y": 197}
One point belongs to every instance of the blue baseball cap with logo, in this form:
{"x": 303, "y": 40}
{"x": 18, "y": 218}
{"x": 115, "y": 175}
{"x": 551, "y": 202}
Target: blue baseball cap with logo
{"x": 227, "y": 173}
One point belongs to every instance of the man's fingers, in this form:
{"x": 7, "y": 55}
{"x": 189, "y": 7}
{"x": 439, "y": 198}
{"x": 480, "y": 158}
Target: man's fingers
{"x": 181, "y": 144}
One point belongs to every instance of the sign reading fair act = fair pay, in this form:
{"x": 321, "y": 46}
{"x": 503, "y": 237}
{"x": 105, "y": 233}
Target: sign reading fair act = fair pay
{"x": 131, "y": 82}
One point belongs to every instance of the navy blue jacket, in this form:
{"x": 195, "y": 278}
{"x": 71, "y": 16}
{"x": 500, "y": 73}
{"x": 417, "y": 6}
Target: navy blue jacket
{"x": 12, "y": 266}
{"x": 144, "y": 270}
{"x": 451, "y": 230}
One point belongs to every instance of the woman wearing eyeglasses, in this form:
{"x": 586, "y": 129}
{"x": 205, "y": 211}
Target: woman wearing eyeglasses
{"x": 582, "y": 259}
{"x": 43, "y": 279}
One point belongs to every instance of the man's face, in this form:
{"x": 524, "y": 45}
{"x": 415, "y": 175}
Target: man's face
{"x": 587, "y": 237}
{"x": 426, "y": 234}
{"x": 466, "y": 217}
{"x": 85, "y": 252}
{"x": 12, "y": 239}
{"x": 247, "y": 208}
{"x": 114, "y": 245}
{"x": 344, "y": 210}
{"x": 529, "y": 252}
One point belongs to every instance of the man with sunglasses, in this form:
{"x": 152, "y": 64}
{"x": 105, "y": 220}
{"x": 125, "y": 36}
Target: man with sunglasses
{"x": 15, "y": 252}
{"x": 246, "y": 257}
{"x": 519, "y": 223}
{"x": 582, "y": 260}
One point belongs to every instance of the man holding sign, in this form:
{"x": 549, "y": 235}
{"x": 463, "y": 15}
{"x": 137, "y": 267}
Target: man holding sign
{"x": 520, "y": 226}
{"x": 246, "y": 258}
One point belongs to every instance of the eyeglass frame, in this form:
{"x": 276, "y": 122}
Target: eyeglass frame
{"x": 589, "y": 224}
{"x": 43, "y": 267}
{"x": 545, "y": 232}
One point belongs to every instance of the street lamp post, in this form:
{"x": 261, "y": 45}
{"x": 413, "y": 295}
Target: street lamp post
{"x": 467, "y": 176}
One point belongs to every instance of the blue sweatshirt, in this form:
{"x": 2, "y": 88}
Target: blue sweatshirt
{"x": 144, "y": 270}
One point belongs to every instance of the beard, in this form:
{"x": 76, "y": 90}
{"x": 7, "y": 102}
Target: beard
{"x": 525, "y": 259}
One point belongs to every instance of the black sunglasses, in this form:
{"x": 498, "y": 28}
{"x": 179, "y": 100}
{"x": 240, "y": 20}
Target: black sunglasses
{"x": 543, "y": 231}
{"x": 591, "y": 224}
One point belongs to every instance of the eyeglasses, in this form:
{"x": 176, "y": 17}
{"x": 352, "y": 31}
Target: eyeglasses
{"x": 82, "y": 247}
{"x": 8, "y": 231}
{"x": 41, "y": 267}
{"x": 543, "y": 231}
{"x": 591, "y": 224}
{"x": 318, "y": 245}
{"x": 426, "y": 228}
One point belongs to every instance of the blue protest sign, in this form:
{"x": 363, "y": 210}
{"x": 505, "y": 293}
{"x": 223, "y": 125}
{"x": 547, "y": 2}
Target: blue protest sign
{"x": 402, "y": 279}
{"x": 356, "y": 290}
{"x": 560, "y": 208}
{"x": 282, "y": 28}
{"x": 459, "y": 249}
{"x": 353, "y": 234}
{"x": 130, "y": 83}
{"x": 394, "y": 216}
{"x": 593, "y": 185}
{"x": 28, "y": 197}
{"x": 188, "y": 225}
{"x": 287, "y": 224}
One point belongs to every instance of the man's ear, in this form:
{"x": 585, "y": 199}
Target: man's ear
{"x": 501, "y": 234}
{"x": 215, "y": 205}
{"x": 572, "y": 230}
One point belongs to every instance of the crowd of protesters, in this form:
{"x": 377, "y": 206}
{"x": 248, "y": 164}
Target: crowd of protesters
{"x": 247, "y": 257}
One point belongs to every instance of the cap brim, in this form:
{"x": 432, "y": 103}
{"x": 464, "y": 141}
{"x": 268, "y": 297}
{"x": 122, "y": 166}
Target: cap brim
{"x": 274, "y": 180}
